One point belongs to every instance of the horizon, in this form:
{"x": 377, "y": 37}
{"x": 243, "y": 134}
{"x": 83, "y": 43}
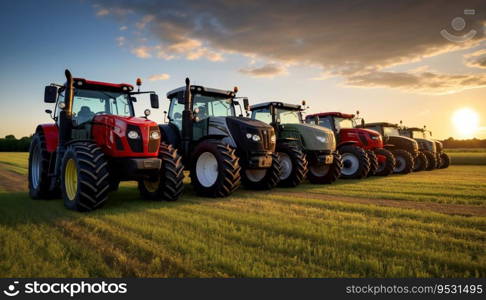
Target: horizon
{"x": 389, "y": 67}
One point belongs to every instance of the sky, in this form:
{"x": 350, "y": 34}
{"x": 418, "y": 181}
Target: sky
{"x": 416, "y": 61}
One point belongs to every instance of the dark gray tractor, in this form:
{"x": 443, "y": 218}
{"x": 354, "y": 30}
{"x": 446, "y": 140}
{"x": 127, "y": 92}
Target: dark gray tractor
{"x": 403, "y": 148}
{"x": 219, "y": 147}
{"x": 431, "y": 149}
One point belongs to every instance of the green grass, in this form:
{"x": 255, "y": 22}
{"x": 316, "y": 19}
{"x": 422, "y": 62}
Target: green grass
{"x": 282, "y": 233}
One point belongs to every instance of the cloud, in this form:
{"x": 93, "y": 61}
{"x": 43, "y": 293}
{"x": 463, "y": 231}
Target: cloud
{"x": 120, "y": 41}
{"x": 102, "y": 12}
{"x": 142, "y": 52}
{"x": 344, "y": 38}
{"x": 156, "y": 77}
{"x": 476, "y": 59}
{"x": 425, "y": 82}
{"x": 123, "y": 28}
{"x": 268, "y": 70}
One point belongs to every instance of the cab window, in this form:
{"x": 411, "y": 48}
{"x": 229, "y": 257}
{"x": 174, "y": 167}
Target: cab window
{"x": 175, "y": 112}
{"x": 262, "y": 115}
{"x": 326, "y": 122}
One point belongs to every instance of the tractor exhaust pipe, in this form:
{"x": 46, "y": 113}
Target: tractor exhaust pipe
{"x": 65, "y": 124}
{"x": 187, "y": 119}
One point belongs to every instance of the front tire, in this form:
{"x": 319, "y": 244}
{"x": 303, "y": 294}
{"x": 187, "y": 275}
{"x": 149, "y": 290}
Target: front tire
{"x": 169, "y": 184}
{"x": 262, "y": 179}
{"x": 216, "y": 169}
{"x": 293, "y": 165}
{"x": 84, "y": 177}
{"x": 445, "y": 160}
{"x": 386, "y": 166}
{"x": 404, "y": 161}
{"x": 431, "y": 159}
{"x": 356, "y": 164}
{"x": 326, "y": 174}
{"x": 421, "y": 163}
{"x": 373, "y": 163}
{"x": 39, "y": 182}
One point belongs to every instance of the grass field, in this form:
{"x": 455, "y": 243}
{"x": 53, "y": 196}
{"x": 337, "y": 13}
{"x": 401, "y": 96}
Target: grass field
{"x": 427, "y": 224}
{"x": 467, "y": 156}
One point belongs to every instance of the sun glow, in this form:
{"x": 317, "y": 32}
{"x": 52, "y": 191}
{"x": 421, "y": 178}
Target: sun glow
{"x": 466, "y": 122}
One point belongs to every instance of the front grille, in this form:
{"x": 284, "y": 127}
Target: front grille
{"x": 153, "y": 145}
{"x": 118, "y": 142}
{"x": 135, "y": 144}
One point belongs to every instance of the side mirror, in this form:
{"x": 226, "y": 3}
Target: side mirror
{"x": 50, "y": 94}
{"x": 132, "y": 99}
{"x": 362, "y": 122}
{"x": 246, "y": 104}
{"x": 154, "y": 100}
{"x": 48, "y": 111}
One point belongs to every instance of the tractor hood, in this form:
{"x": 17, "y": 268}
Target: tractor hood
{"x": 126, "y": 136}
{"x": 313, "y": 137}
{"x": 426, "y": 144}
{"x": 366, "y": 137}
{"x": 243, "y": 129}
{"x": 401, "y": 142}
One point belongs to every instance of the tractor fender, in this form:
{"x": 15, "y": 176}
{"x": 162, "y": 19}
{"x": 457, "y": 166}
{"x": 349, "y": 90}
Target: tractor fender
{"x": 388, "y": 146}
{"x": 51, "y": 135}
{"x": 288, "y": 139}
{"x": 170, "y": 134}
{"x": 346, "y": 143}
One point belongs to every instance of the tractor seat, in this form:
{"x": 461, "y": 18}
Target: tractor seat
{"x": 84, "y": 115}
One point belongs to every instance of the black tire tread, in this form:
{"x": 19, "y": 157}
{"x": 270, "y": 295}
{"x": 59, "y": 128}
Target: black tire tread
{"x": 408, "y": 160}
{"x": 373, "y": 162}
{"x": 299, "y": 165}
{"x": 389, "y": 163}
{"x": 332, "y": 175}
{"x": 269, "y": 181}
{"x": 364, "y": 163}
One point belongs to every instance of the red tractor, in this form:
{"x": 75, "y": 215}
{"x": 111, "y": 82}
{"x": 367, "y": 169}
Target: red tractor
{"x": 361, "y": 149}
{"x": 95, "y": 142}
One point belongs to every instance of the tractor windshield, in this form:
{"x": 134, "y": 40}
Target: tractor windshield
{"x": 213, "y": 106}
{"x": 341, "y": 123}
{"x": 289, "y": 116}
{"x": 88, "y": 103}
{"x": 417, "y": 134}
{"x": 390, "y": 131}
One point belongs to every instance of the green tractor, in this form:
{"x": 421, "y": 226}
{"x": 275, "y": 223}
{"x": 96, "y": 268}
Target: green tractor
{"x": 431, "y": 149}
{"x": 303, "y": 149}
{"x": 220, "y": 148}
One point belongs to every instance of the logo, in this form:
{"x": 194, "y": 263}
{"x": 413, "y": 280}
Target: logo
{"x": 11, "y": 291}
{"x": 458, "y": 24}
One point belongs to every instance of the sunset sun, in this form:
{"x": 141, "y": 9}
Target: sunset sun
{"x": 466, "y": 122}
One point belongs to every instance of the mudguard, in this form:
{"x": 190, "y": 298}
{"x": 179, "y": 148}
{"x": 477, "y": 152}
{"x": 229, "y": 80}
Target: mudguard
{"x": 51, "y": 135}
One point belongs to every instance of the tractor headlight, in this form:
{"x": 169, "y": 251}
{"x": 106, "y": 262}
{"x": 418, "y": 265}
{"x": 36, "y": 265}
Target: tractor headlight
{"x": 132, "y": 134}
{"x": 248, "y": 135}
{"x": 375, "y": 137}
{"x": 273, "y": 138}
{"x": 321, "y": 139}
{"x": 256, "y": 138}
{"x": 155, "y": 135}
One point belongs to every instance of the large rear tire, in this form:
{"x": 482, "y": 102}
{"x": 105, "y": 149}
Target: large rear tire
{"x": 169, "y": 184}
{"x": 431, "y": 159}
{"x": 386, "y": 166}
{"x": 421, "y": 163}
{"x": 293, "y": 165}
{"x": 445, "y": 160}
{"x": 216, "y": 169}
{"x": 404, "y": 161}
{"x": 262, "y": 179}
{"x": 373, "y": 163}
{"x": 84, "y": 177}
{"x": 326, "y": 174}
{"x": 39, "y": 182}
{"x": 356, "y": 164}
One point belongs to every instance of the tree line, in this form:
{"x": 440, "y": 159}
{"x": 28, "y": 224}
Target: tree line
{"x": 11, "y": 144}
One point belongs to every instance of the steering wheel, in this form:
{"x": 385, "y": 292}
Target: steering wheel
{"x": 177, "y": 115}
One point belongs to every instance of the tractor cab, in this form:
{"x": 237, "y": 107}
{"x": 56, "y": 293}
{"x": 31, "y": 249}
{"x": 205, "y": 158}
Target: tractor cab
{"x": 420, "y": 135}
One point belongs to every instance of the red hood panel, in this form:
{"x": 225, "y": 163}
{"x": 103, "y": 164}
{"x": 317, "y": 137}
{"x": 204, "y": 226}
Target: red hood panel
{"x": 358, "y": 130}
{"x": 112, "y": 119}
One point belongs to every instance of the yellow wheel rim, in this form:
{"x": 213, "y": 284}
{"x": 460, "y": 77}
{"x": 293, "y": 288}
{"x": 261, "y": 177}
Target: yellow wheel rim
{"x": 71, "y": 179}
{"x": 151, "y": 186}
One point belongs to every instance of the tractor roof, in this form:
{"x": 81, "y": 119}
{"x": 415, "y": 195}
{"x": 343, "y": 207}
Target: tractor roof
{"x": 276, "y": 104}
{"x": 200, "y": 89}
{"x": 82, "y": 83}
{"x": 384, "y": 124}
{"x": 333, "y": 114}
{"x": 414, "y": 129}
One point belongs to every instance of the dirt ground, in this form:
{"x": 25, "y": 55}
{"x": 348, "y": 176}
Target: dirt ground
{"x": 11, "y": 181}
